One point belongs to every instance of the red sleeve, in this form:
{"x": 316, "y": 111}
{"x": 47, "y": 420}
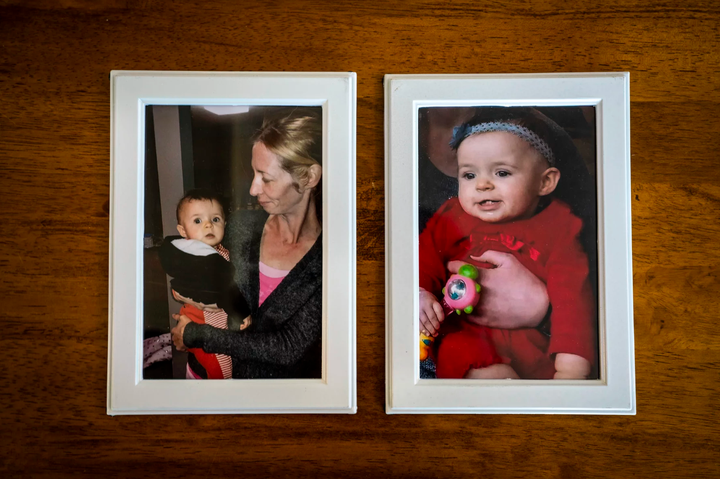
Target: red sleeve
{"x": 434, "y": 241}
{"x": 573, "y": 321}
{"x": 195, "y": 315}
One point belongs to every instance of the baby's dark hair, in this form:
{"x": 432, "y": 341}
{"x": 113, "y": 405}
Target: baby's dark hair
{"x": 199, "y": 194}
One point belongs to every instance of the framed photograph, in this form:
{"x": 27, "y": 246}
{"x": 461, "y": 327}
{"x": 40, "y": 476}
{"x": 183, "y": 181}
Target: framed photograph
{"x": 232, "y": 274}
{"x": 508, "y": 236}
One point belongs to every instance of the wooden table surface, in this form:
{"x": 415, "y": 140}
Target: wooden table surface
{"x": 55, "y": 57}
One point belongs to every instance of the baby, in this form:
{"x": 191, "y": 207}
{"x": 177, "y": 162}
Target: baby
{"x": 203, "y": 277}
{"x": 507, "y": 170}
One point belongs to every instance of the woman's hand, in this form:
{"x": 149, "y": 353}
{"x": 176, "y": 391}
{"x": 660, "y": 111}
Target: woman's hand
{"x": 431, "y": 313}
{"x": 178, "y": 331}
{"x": 511, "y": 297}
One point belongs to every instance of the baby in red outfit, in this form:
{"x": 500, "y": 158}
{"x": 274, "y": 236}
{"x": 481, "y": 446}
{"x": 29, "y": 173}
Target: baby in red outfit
{"x": 507, "y": 171}
{"x": 203, "y": 277}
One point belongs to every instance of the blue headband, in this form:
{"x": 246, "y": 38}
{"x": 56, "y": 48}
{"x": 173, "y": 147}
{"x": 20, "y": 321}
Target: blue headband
{"x": 463, "y": 131}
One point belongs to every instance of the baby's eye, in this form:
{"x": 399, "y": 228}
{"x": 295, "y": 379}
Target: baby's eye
{"x": 468, "y": 176}
{"x": 197, "y": 221}
{"x": 217, "y": 219}
{"x": 503, "y": 173}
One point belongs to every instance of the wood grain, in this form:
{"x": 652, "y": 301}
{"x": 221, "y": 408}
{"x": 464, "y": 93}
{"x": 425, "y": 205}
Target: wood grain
{"x": 55, "y": 57}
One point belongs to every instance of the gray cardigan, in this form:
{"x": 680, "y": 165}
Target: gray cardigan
{"x": 284, "y": 340}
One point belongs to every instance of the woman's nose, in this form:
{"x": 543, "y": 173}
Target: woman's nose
{"x": 255, "y": 187}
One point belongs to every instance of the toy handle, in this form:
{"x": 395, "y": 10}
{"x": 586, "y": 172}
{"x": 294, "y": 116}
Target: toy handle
{"x": 447, "y": 309}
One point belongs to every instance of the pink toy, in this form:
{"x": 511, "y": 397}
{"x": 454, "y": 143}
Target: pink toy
{"x": 460, "y": 294}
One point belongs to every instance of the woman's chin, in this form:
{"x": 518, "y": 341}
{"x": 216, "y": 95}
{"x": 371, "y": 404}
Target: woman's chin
{"x": 268, "y": 207}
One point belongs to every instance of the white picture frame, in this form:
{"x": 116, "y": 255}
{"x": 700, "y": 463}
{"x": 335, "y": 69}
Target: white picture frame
{"x": 614, "y": 392}
{"x": 128, "y": 392}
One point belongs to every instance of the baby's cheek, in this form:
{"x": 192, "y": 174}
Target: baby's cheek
{"x": 466, "y": 203}
{"x": 463, "y": 197}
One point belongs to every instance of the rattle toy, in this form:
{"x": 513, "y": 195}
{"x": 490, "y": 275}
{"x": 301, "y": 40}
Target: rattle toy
{"x": 460, "y": 294}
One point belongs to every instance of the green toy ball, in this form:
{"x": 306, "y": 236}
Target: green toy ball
{"x": 469, "y": 271}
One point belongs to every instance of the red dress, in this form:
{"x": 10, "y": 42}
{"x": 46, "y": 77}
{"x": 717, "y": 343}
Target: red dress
{"x": 548, "y": 245}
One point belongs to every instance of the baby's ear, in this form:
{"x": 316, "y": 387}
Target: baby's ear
{"x": 181, "y": 230}
{"x": 549, "y": 181}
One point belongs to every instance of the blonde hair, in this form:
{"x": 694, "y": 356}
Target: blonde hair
{"x": 296, "y": 139}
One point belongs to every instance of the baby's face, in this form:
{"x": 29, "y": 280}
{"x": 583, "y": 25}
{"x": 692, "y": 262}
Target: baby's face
{"x": 202, "y": 220}
{"x": 500, "y": 177}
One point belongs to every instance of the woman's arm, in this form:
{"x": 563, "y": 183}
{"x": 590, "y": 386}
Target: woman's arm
{"x": 284, "y": 346}
{"x": 512, "y": 297}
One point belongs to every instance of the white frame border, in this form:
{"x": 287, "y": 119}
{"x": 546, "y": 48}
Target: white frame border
{"x": 128, "y": 392}
{"x": 614, "y": 393}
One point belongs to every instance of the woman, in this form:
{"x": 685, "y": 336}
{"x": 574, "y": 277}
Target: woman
{"x": 277, "y": 254}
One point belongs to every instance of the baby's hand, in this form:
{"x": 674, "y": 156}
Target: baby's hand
{"x": 431, "y": 313}
{"x": 246, "y": 323}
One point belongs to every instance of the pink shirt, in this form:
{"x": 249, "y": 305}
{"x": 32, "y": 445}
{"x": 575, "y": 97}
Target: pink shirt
{"x": 270, "y": 278}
